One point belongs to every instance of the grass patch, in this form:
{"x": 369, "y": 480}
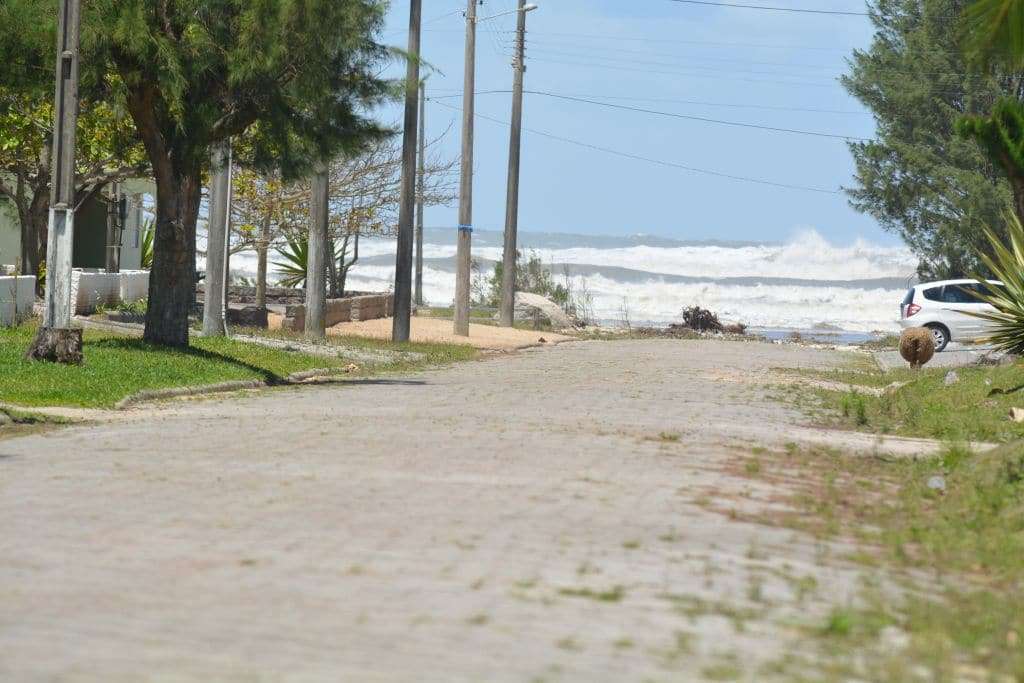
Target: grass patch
{"x": 117, "y": 366}
{"x": 963, "y": 607}
{"x": 975, "y": 408}
{"x": 614, "y": 594}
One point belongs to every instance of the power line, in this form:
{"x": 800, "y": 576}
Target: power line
{"x": 813, "y": 84}
{"x": 701, "y": 103}
{"x": 688, "y": 117}
{"x": 659, "y": 162}
{"x": 773, "y": 9}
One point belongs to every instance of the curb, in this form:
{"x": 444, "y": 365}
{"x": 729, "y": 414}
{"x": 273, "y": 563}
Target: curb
{"x": 296, "y": 378}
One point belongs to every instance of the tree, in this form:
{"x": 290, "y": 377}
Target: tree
{"x": 108, "y": 149}
{"x": 297, "y": 78}
{"x": 994, "y": 32}
{"x": 993, "y": 38}
{"x": 107, "y": 152}
{"x": 364, "y": 195}
{"x": 919, "y": 178}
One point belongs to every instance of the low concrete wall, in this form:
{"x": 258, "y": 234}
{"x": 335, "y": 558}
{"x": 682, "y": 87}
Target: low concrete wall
{"x": 89, "y": 290}
{"x": 351, "y": 309}
{"x": 17, "y": 295}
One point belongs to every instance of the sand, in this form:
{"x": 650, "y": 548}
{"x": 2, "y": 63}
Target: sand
{"x": 439, "y": 330}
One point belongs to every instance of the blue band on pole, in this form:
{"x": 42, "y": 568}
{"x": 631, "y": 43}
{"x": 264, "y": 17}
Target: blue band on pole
{"x": 465, "y": 228}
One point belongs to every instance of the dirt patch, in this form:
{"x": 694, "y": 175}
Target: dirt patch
{"x": 434, "y": 330}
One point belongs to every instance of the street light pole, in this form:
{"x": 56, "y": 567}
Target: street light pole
{"x": 463, "y": 256}
{"x": 402, "y": 322}
{"x": 508, "y": 276}
{"x": 56, "y": 341}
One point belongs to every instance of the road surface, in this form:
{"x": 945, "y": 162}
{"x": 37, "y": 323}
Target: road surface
{"x": 550, "y": 516}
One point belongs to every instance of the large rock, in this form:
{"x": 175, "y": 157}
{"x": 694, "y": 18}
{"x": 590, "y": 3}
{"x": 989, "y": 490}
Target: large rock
{"x": 530, "y": 306}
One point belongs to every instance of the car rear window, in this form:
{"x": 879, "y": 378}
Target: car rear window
{"x": 909, "y": 298}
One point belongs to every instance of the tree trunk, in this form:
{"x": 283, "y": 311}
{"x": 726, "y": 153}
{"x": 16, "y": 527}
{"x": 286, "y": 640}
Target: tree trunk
{"x": 57, "y": 346}
{"x": 172, "y": 280}
{"x": 332, "y": 268}
{"x": 262, "y": 247}
{"x": 34, "y": 227}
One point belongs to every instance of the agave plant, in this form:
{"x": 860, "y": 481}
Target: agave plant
{"x": 148, "y": 231}
{"x": 1007, "y": 265}
{"x": 295, "y": 253}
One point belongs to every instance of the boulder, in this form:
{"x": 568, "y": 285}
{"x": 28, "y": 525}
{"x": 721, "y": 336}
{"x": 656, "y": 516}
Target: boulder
{"x": 532, "y": 306}
{"x": 250, "y": 316}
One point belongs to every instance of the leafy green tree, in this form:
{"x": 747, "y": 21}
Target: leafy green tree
{"x": 921, "y": 180}
{"x": 107, "y": 152}
{"x": 994, "y": 32}
{"x": 295, "y": 77}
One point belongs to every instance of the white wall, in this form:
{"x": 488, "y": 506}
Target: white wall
{"x": 17, "y": 295}
{"x": 91, "y": 289}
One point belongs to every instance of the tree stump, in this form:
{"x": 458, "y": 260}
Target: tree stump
{"x": 57, "y": 346}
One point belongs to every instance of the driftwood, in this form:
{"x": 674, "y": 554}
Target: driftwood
{"x": 57, "y": 346}
{"x": 917, "y": 346}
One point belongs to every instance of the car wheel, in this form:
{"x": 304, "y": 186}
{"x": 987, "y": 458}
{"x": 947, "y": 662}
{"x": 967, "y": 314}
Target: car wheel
{"x": 940, "y": 335}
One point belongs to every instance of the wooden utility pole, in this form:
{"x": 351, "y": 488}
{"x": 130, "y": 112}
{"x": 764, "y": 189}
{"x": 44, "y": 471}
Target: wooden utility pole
{"x": 401, "y": 323}
{"x": 508, "y": 275}
{"x": 421, "y": 186}
{"x": 214, "y": 323}
{"x": 316, "y": 259}
{"x": 56, "y": 341}
{"x": 464, "y": 255}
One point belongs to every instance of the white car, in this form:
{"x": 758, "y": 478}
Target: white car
{"x": 944, "y": 308}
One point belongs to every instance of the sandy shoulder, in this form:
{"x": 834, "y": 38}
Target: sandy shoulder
{"x": 440, "y": 331}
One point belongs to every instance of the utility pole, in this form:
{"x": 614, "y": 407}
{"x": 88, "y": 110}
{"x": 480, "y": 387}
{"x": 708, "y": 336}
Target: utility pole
{"x": 421, "y": 190}
{"x": 115, "y": 227}
{"x": 316, "y": 259}
{"x": 56, "y": 341}
{"x": 508, "y": 274}
{"x": 464, "y": 253}
{"x": 401, "y": 323}
{"x": 216, "y": 233}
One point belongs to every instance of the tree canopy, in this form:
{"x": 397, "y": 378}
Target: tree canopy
{"x": 297, "y": 78}
{"x": 921, "y": 180}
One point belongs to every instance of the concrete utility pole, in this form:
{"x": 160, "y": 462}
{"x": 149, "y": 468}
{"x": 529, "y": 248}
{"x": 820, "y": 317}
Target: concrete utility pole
{"x": 420, "y": 199}
{"x": 464, "y": 254}
{"x": 316, "y": 260}
{"x": 115, "y": 228}
{"x": 401, "y": 323}
{"x": 508, "y": 275}
{"x": 56, "y": 341}
{"x": 214, "y": 323}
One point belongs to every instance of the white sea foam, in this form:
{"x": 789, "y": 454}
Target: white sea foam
{"x": 650, "y": 298}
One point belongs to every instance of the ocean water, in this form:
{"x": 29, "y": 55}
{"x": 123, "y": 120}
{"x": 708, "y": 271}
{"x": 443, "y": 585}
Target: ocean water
{"x": 805, "y": 284}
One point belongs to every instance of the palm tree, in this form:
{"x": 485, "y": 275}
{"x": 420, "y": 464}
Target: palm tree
{"x": 994, "y": 32}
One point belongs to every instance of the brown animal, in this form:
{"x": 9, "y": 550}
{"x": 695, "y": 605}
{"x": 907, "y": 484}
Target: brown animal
{"x": 917, "y": 346}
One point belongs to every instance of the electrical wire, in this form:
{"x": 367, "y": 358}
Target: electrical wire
{"x": 659, "y": 162}
{"x": 703, "y": 119}
{"x": 701, "y": 103}
{"x": 773, "y": 9}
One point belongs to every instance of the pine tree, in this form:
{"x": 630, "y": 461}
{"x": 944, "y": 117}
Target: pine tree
{"x": 919, "y": 178}
{"x": 296, "y": 77}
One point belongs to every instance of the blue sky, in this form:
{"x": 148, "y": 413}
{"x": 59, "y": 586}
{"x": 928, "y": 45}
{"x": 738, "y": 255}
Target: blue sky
{"x": 664, "y": 52}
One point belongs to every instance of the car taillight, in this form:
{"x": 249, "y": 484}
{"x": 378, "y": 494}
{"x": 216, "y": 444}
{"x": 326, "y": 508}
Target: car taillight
{"x": 912, "y": 309}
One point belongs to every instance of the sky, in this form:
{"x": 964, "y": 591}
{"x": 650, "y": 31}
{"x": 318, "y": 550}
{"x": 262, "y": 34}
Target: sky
{"x": 739, "y": 65}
